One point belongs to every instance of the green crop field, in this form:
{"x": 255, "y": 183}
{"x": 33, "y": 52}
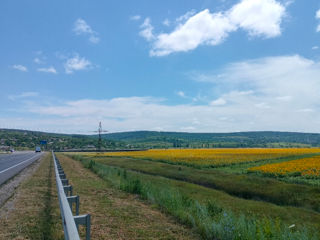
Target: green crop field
{"x": 226, "y": 202}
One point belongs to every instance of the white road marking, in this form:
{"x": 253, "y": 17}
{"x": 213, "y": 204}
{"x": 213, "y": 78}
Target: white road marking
{"x": 18, "y": 164}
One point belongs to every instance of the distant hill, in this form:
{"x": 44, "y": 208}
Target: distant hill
{"x": 238, "y": 139}
{"x": 22, "y": 139}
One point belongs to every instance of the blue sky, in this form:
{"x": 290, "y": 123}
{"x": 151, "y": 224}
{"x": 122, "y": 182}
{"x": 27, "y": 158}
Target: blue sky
{"x": 200, "y": 66}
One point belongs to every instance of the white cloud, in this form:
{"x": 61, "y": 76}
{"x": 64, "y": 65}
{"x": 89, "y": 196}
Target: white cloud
{"x": 135, "y": 17}
{"x": 20, "y": 68}
{"x": 23, "y": 95}
{"x": 318, "y": 17}
{"x": 94, "y": 39}
{"x": 82, "y": 28}
{"x": 278, "y": 86}
{"x": 315, "y": 47}
{"x": 181, "y": 94}
{"x": 76, "y": 63}
{"x": 186, "y": 16}
{"x": 259, "y": 18}
{"x": 40, "y": 58}
{"x": 166, "y": 22}
{"x": 262, "y": 105}
{"x": 318, "y": 14}
{"x": 305, "y": 110}
{"x": 218, "y": 102}
{"x": 147, "y": 29}
{"x": 202, "y": 28}
{"x": 284, "y": 98}
{"x": 48, "y": 70}
{"x": 38, "y": 61}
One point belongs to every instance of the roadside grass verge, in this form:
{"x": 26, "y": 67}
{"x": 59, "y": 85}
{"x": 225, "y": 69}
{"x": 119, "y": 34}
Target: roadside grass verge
{"x": 35, "y": 212}
{"x": 243, "y": 186}
{"x": 116, "y": 214}
{"x": 205, "y": 209}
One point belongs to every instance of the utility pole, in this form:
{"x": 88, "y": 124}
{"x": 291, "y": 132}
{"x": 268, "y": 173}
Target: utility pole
{"x": 99, "y": 141}
{"x": 100, "y": 130}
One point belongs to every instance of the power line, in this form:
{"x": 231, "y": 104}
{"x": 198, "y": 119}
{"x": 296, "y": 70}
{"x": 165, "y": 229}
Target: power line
{"x": 100, "y": 131}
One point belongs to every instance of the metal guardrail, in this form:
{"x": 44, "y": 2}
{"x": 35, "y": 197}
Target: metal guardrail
{"x": 66, "y": 199}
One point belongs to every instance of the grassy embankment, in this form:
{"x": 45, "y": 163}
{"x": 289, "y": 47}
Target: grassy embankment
{"x": 35, "y": 213}
{"x": 243, "y": 186}
{"x": 213, "y": 213}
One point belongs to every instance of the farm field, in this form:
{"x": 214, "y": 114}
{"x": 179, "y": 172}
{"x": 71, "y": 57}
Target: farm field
{"x": 308, "y": 167}
{"x": 223, "y": 177}
{"x": 243, "y": 186}
{"x": 214, "y": 157}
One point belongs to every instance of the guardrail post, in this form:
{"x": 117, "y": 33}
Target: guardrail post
{"x": 68, "y": 189}
{"x": 74, "y": 199}
{"x": 84, "y": 220}
{"x": 65, "y": 182}
{"x": 62, "y": 176}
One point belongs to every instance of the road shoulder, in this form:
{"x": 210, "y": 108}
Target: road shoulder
{"x": 8, "y": 188}
{"x": 33, "y": 210}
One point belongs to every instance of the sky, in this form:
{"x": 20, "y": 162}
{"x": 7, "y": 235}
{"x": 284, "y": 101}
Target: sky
{"x": 191, "y": 66}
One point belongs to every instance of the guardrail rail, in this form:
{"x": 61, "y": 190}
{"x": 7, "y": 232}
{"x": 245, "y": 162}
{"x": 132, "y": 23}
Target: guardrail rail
{"x": 66, "y": 199}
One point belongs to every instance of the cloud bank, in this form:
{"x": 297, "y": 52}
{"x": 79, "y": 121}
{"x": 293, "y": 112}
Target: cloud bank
{"x": 272, "y": 93}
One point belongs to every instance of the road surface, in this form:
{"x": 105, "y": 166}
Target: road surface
{"x": 11, "y": 164}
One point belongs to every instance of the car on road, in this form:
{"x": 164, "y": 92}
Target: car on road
{"x": 38, "y": 149}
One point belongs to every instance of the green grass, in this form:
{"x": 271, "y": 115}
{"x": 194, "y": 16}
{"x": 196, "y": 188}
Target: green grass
{"x": 243, "y": 186}
{"x": 117, "y": 214}
{"x": 204, "y": 209}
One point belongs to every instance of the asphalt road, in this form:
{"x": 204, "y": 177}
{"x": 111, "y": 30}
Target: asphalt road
{"x": 11, "y": 164}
